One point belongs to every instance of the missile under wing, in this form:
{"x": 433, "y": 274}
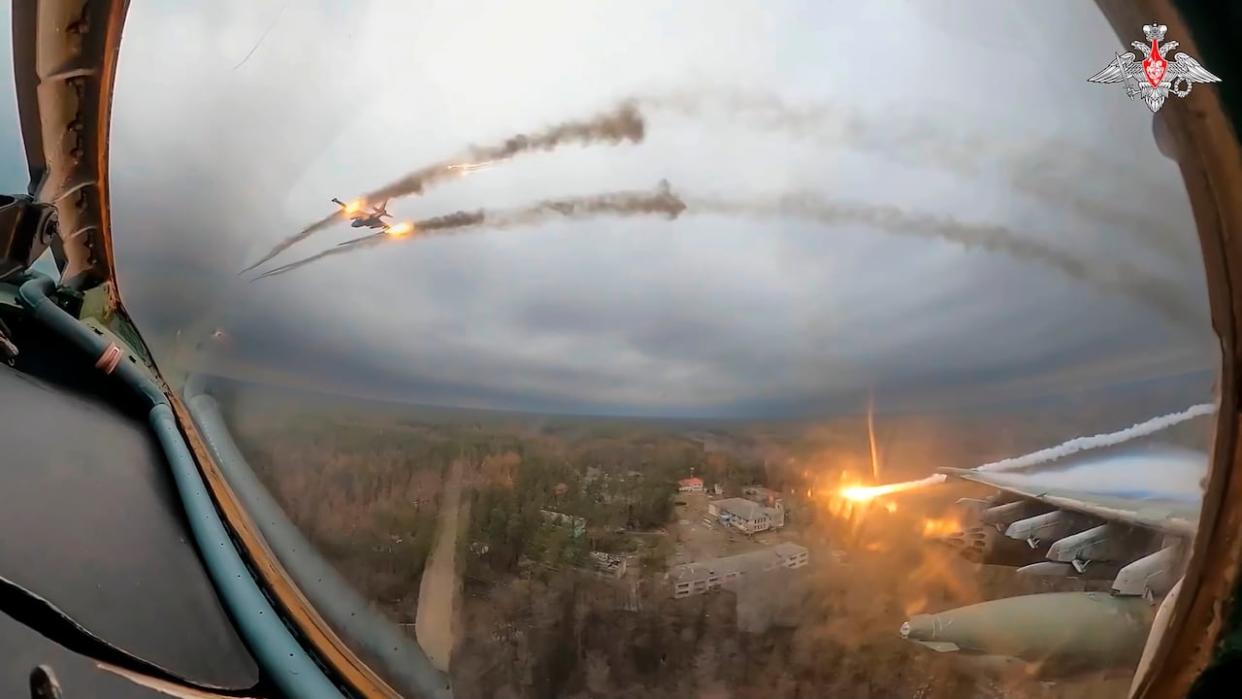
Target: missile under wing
{"x": 1126, "y": 516}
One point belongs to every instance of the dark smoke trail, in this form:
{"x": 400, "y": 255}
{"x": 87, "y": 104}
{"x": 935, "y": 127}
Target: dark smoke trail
{"x": 369, "y": 241}
{"x": 621, "y": 123}
{"x": 1046, "y": 170}
{"x": 660, "y": 201}
{"x": 1114, "y": 276}
{"x": 296, "y": 238}
{"x": 457, "y": 219}
{"x": 638, "y": 203}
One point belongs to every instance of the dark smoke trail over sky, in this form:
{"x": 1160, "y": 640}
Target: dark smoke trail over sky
{"x": 621, "y": 123}
{"x": 1117, "y": 277}
{"x": 1157, "y": 293}
{"x": 459, "y": 219}
{"x": 660, "y": 201}
{"x": 1038, "y": 169}
{"x": 631, "y": 203}
{"x": 1041, "y": 169}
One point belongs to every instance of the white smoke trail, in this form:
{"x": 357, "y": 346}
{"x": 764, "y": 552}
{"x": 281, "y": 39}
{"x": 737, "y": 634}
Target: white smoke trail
{"x": 1078, "y": 444}
{"x": 1142, "y": 429}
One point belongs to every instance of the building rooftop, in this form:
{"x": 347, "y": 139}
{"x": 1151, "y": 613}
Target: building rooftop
{"x": 788, "y": 549}
{"x": 606, "y": 560}
{"x": 762, "y": 559}
{"x": 741, "y": 507}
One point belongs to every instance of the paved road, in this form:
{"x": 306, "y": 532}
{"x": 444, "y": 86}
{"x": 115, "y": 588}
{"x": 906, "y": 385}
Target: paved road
{"x": 440, "y": 588}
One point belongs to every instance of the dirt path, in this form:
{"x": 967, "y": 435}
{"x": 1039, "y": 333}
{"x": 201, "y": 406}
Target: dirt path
{"x": 439, "y": 590}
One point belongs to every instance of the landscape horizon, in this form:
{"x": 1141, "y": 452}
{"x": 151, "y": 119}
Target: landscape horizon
{"x": 498, "y": 539}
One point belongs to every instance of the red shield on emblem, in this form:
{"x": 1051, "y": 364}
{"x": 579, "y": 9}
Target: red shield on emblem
{"x": 1154, "y": 66}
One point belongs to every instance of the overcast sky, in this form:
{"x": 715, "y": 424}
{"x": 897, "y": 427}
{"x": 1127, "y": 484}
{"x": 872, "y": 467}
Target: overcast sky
{"x": 235, "y": 122}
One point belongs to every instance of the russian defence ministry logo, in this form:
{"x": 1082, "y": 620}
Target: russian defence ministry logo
{"x": 1154, "y": 77}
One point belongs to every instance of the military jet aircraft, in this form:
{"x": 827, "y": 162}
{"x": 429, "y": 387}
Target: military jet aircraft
{"x": 359, "y": 216}
{"x": 1128, "y": 516}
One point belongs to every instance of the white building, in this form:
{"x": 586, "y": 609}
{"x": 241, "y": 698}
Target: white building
{"x": 702, "y": 576}
{"x": 746, "y": 515}
{"x": 763, "y": 496}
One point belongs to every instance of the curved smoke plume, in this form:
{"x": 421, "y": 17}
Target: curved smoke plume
{"x": 621, "y": 123}
{"x": 1052, "y": 171}
{"x": 1160, "y": 294}
{"x": 1119, "y": 277}
{"x": 662, "y": 200}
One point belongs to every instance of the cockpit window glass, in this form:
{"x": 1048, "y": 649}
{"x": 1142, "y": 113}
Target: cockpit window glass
{"x": 598, "y": 349}
{"x": 14, "y": 177}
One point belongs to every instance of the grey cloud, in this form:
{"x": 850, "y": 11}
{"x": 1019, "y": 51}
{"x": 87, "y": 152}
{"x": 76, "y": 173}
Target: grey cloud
{"x": 558, "y": 347}
{"x": 702, "y": 315}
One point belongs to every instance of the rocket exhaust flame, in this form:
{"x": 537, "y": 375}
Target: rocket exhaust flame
{"x": 938, "y": 526}
{"x": 630, "y": 203}
{"x": 460, "y": 219}
{"x": 474, "y": 167}
{"x": 865, "y": 493}
{"x": 1161, "y": 294}
{"x": 875, "y": 455}
{"x": 399, "y": 230}
{"x": 1035, "y": 458}
{"x": 621, "y": 123}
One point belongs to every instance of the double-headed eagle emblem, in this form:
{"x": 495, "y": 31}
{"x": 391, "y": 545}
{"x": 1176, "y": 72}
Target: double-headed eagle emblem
{"x": 1154, "y": 77}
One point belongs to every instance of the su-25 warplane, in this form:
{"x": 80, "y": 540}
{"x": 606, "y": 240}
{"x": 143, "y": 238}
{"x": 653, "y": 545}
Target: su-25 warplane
{"x": 361, "y": 217}
{"x": 1128, "y": 516}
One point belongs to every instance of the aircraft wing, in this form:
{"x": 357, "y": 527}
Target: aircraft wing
{"x": 1103, "y": 511}
{"x": 1124, "y": 516}
{"x": 1156, "y": 489}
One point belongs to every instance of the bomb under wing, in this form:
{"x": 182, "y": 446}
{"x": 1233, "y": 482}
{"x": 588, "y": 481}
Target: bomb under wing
{"x": 1127, "y": 517}
{"x": 1063, "y": 632}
